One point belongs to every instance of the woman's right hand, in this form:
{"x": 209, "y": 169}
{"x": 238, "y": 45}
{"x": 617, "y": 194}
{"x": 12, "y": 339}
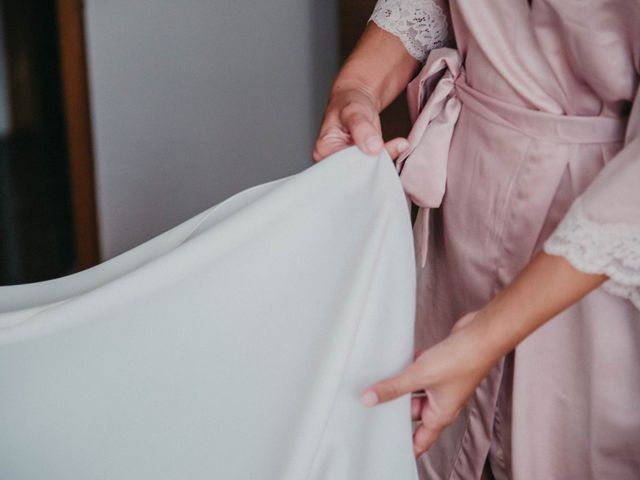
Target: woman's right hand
{"x": 352, "y": 118}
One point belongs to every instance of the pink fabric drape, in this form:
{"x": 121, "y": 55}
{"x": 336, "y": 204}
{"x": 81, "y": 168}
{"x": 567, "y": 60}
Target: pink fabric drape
{"x": 526, "y": 136}
{"x": 434, "y": 97}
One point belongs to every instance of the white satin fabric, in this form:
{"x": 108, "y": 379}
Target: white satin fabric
{"x": 233, "y": 346}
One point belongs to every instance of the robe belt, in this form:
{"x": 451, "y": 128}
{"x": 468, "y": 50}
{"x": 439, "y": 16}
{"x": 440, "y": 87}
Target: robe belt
{"x": 435, "y": 98}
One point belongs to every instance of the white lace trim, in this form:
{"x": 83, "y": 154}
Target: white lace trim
{"x": 421, "y": 25}
{"x": 611, "y": 248}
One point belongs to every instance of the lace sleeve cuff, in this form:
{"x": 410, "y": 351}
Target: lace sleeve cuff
{"x": 612, "y": 249}
{"x": 421, "y": 25}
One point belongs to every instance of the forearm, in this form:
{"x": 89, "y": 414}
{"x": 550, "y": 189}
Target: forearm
{"x": 379, "y": 65}
{"x": 548, "y": 285}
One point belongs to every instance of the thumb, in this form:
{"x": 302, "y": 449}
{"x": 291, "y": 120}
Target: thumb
{"x": 396, "y": 146}
{"x": 392, "y": 388}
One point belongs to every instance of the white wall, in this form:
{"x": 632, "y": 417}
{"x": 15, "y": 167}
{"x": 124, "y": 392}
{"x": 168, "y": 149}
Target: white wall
{"x": 195, "y": 100}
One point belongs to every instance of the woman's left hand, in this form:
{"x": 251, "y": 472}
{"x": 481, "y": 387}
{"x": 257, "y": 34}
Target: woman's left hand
{"x": 448, "y": 373}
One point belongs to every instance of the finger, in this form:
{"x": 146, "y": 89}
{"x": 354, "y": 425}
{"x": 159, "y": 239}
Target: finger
{"x": 423, "y": 438}
{"x": 396, "y": 146}
{"x": 364, "y": 133}
{"x": 377, "y": 123}
{"x": 329, "y": 142}
{"x": 394, "y": 387}
{"x": 417, "y": 404}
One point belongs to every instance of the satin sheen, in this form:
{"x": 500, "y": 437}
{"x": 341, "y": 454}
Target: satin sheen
{"x": 535, "y": 107}
{"x": 233, "y": 346}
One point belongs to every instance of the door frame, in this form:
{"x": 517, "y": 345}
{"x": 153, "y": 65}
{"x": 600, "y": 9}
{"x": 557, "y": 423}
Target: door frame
{"x": 75, "y": 86}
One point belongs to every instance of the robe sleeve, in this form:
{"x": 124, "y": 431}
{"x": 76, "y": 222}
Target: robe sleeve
{"x": 601, "y": 231}
{"x": 421, "y": 25}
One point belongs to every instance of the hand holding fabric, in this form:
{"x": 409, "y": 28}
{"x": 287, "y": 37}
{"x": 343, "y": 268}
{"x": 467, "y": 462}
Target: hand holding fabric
{"x": 352, "y": 119}
{"x": 448, "y": 373}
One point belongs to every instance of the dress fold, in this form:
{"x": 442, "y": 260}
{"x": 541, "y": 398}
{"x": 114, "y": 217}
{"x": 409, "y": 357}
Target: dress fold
{"x": 233, "y": 346}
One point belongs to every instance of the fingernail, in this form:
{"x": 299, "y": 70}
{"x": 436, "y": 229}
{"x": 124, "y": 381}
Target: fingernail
{"x": 402, "y": 146}
{"x": 369, "y": 398}
{"x": 373, "y": 143}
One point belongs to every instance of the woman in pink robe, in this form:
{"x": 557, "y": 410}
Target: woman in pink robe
{"x": 524, "y": 159}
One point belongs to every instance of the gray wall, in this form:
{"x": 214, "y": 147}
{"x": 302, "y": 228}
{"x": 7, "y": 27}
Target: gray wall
{"x": 195, "y": 100}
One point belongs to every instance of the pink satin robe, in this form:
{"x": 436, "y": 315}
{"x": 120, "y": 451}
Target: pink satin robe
{"x": 519, "y": 122}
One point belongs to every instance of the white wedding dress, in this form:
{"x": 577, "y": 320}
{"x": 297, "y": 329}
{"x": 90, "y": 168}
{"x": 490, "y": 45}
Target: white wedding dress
{"x": 233, "y": 346}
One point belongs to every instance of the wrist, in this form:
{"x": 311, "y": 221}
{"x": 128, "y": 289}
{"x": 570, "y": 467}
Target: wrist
{"x": 543, "y": 289}
{"x": 498, "y": 325}
{"x": 379, "y": 65}
{"x": 343, "y": 86}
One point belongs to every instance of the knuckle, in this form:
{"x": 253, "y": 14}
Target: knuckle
{"x": 448, "y": 421}
{"x": 421, "y": 444}
{"x": 438, "y": 423}
{"x": 389, "y": 392}
{"x": 358, "y": 122}
{"x": 415, "y": 371}
{"x": 353, "y": 109}
{"x": 317, "y": 151}
{"x": 449, "y": 418}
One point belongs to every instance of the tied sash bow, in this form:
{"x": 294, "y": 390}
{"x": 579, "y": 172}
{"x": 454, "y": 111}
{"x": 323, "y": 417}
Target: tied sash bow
{"x": 435, "y": 98}
{"x": 434, "y": 108}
